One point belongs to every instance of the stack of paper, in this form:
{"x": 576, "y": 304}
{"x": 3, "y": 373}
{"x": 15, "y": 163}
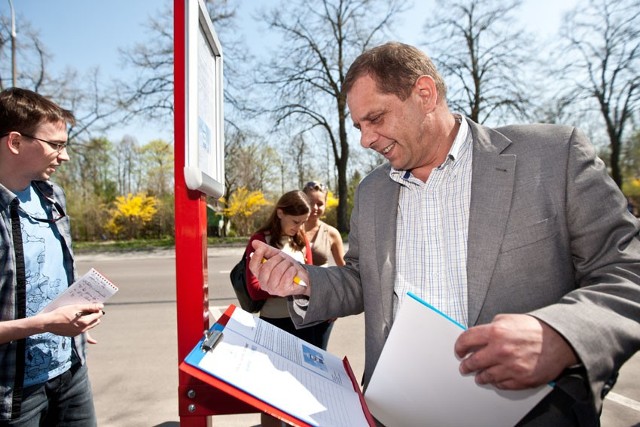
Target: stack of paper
{"x": 417, "y": 381}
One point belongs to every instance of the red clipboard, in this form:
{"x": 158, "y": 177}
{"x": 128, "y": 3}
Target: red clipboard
{"x": 231, "y": 399}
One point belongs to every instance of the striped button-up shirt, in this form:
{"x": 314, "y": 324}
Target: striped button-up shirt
{"x": 433, "y": 224}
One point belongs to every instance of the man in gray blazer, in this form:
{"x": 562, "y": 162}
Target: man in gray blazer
{"x": 517, "y": 232}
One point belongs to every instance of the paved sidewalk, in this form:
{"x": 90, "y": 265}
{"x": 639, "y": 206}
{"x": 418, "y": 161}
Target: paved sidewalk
{"x": 135, "y": 378}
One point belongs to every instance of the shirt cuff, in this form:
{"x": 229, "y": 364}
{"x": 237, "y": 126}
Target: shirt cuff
{"x": 301, "y": 301}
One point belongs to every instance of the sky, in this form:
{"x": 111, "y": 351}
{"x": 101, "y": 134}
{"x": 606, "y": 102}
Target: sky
{"x": 85, "y": 34}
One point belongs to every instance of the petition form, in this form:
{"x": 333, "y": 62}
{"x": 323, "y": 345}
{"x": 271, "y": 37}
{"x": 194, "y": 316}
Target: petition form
{"x": 284, "y": 371}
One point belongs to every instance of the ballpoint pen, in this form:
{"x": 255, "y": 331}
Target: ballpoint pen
{"x": 296, "y": 279}
{"x": 86, "y": 313}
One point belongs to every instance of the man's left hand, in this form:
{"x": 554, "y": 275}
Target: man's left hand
{"x": 514, "y": 351}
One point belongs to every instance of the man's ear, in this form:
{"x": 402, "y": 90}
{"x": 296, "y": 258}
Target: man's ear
{"x": 426, "y": 89}
{"x": 13, "y": 142}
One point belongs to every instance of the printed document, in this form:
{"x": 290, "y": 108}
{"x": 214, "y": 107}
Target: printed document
{"x": 417, "y": 379}
{"x": 284, "y": 371}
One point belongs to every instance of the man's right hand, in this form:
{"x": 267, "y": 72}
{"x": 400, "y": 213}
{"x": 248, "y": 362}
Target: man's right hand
{"x": 72, "y": 320}
{"x": 67, "y": 321}
{"x": 276, "y": 274}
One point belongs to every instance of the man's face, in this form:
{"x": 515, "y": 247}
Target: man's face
{"x": 388, "y": 125}
{"x": 40, "y": 159}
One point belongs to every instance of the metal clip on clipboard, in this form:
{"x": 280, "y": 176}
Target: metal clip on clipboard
{"x": 211, "y": 339}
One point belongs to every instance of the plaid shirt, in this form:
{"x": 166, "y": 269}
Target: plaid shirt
{"x": 8, "y": 279}
{"x": 433, "y": 224}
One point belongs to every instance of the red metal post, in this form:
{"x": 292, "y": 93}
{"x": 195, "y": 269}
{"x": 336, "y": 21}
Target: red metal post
{"x": 196, "y": 399}
{"x": 192, "y": 295}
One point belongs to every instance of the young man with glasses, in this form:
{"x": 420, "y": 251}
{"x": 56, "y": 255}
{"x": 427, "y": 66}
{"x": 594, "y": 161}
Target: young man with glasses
{"x": 43, "y": 376}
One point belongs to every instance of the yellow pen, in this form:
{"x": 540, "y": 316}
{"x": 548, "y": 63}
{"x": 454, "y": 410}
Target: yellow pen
{"x": 296, "y": 279}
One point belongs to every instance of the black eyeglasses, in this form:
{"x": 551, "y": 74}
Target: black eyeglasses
{"x": 55, "y": 145}
{"x": 55, "y": 206}
{"x": 318, "y": 186}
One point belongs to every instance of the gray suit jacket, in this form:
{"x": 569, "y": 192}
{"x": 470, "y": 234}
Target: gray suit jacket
{"x": 549, "y": 235}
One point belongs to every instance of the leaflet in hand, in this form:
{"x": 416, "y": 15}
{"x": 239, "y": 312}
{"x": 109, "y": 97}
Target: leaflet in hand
{"x": 91, "y": 288}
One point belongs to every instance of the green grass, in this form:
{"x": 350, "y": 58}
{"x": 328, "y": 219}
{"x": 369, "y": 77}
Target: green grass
{"x": 147, "y": 244}
{"x": 140, "y": 245}
{"x": 123, "y": 245}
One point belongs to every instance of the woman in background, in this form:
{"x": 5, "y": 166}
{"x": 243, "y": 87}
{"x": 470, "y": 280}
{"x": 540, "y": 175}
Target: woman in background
{"x": 325, "y": 240}
{"x": 284, "y": 230}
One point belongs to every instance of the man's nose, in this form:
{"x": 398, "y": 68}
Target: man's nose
{"x": 63, "y": 155}
{"x": 367, "y": 137}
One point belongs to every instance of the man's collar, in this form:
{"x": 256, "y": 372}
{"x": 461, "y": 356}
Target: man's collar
{"x": 6, "y": 195}
{"x": 461, "y": 137}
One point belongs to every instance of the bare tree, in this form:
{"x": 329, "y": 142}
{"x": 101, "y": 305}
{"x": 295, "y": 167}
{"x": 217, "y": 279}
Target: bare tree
{"x": 151, "y": 94}
{"x": 482, "y": 55}
{"x": 602, "y": 62}
{"x": 308, "y": 70}
{"x": 295, "y": 150}
{"x": 157, "y": 158}
{"x": 31, "y": 56}
{"x": 127, "y": 165}
{"x": 259, "y": 163}
{"x": 95, "y": 111}
{"x": 299, "y": 163}
{"x": 631, "y": 160}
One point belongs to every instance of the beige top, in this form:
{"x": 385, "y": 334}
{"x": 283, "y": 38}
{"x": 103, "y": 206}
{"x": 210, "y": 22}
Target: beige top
{"x": 321, "y": 245}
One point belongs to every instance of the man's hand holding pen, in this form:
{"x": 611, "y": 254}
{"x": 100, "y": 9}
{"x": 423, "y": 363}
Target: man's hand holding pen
{"x": 75, "y": 319}
{"x": 280, "y": 274}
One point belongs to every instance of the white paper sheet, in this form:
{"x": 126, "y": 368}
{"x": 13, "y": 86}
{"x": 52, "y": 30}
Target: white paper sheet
{"x": 284, "y": 371}
{"x": 417, "y": 380}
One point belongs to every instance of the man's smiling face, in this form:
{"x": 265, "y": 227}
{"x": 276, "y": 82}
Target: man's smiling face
{"x": 392, "y": 127}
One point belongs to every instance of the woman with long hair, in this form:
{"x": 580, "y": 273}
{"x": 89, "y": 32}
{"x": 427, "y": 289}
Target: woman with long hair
{"x": 285, "y": 230}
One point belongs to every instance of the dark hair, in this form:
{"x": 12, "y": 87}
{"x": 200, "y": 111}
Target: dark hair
{"x": 395, "y": 67}
{"x": 291, "y": 203}
{"x": 22, "y": 110}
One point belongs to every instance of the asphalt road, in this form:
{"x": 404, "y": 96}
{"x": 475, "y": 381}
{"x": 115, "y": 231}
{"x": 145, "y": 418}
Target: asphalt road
{"x": 133, "y": 368}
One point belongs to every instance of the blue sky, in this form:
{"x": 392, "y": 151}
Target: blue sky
{"x": 84, "y": 34}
